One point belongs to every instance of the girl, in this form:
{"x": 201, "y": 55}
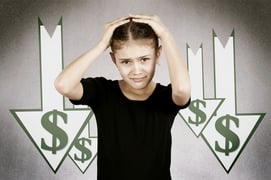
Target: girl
{"x": 134, "y": 115}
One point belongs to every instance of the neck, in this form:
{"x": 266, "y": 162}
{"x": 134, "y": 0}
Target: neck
{"x": 137, "y": 94}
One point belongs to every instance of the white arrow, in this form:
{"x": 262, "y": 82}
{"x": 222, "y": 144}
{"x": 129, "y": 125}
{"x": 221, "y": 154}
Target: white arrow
{"x": 52, "y": 128}
{"x": 84, "y": 150}
{"x": 201, "y": 109}
{"x": 228, "y": 132}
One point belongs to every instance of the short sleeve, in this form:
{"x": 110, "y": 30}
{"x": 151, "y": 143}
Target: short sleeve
{"x": 92, "y": 88}
{"x": 186, "y": 105}
{"x": 170, "y": 103}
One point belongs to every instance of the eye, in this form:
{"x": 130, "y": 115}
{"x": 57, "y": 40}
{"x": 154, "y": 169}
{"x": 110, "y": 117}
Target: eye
{"x": 125, "y": 62}
{"x": 145, "y": 59}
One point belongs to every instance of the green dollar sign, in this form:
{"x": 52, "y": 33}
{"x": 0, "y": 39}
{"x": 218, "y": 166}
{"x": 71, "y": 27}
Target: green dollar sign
{"x": 59, "y": 137}
{"x": 232, "y": 141}
{"x": 200, "y": 115}
{"x": 86, "y": 153}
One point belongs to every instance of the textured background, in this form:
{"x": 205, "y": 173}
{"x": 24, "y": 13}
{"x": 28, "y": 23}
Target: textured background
{"x": 190, "y": 21}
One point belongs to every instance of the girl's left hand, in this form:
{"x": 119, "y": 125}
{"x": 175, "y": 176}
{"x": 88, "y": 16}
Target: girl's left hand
{"x": 152, "y": 20}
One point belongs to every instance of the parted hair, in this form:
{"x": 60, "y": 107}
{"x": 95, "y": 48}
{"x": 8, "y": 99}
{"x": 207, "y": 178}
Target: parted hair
{"x": 133, "y": 31}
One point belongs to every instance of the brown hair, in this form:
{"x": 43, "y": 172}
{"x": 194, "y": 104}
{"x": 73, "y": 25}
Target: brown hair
{"x": 133, "y": 31}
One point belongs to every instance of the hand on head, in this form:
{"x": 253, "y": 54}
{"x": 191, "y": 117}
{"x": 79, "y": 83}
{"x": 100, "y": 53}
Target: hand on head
{"x": 151, "y": 20}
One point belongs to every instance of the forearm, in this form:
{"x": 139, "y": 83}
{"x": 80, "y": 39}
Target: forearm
{"x": 178, "y": 73}
{"x": 71, "y": 75}
{"x": 68, "y": 81}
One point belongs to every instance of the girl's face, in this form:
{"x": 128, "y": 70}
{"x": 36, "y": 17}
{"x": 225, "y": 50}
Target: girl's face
{"x": 136, "y": 61}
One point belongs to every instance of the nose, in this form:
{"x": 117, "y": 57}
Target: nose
{"x": 136, "y": 68}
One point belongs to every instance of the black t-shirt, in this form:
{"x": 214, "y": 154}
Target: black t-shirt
{"x": 134, "y": 137}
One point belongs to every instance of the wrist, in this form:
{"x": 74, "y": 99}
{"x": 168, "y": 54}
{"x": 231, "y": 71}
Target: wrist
{"x": 101, "y": 46}
{"x": 165, "y": 35}
{"x": 94, "y": 52}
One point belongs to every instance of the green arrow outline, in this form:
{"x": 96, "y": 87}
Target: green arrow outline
{"x": 83, "y": 172}
{"x": 261, "y": 115}
{"x": 94, "y": 157}
{"x": 13, "y": 111}
{"x": 203, "y": 95}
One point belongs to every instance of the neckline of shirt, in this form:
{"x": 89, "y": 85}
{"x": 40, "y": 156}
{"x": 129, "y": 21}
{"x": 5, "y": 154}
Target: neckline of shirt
{"x": 136, "y": 101}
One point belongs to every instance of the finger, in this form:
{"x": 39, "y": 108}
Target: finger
{"x": 116, "y": 24}
{"x": 142, "y": 16}
{"x": 146, "y": 21}
{"x": 158, "y": 27}
{"x": 119, "y": 23}
{"x": 119, "y": 19}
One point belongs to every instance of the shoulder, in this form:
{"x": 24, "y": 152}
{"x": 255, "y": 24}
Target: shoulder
{"x": 97, "y": 81}
{"x": 94, "y": 89}
{"x": 164, "y": 93}
{"x": 163, "y": 89}
{"x": 99, "y": 85}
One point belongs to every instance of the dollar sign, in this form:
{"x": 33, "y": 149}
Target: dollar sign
{"x": 200, "y": 115}
{"x": 231, "y": 139}
{"x": 86, "y": 153}
{"x": 49, "y": 122}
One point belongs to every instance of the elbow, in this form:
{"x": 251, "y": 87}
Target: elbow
{"x": 182, "y": 95}
{"x": 61, "y": 87}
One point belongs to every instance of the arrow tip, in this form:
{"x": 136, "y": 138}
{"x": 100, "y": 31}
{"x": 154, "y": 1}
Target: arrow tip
{"x": 39, "y": 21}
{"x": 233, "y": 33}
{"x": 60, "y": 21}
{"x": 214, "y": 34}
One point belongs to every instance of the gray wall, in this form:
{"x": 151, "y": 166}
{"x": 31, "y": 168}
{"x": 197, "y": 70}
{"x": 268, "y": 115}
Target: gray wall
{"x": 190, "y": 21}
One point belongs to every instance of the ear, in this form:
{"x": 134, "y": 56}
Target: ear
{"x": 158, "y": 54}
{"x": 113, "y": 57}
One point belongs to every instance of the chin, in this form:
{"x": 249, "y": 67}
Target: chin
{"x": 139, "y": 85}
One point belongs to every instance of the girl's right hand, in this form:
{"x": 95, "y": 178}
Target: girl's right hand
{"x": 109, "y": 29}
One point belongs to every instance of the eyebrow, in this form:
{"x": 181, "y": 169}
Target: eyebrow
{"x": 140, "y": 57}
